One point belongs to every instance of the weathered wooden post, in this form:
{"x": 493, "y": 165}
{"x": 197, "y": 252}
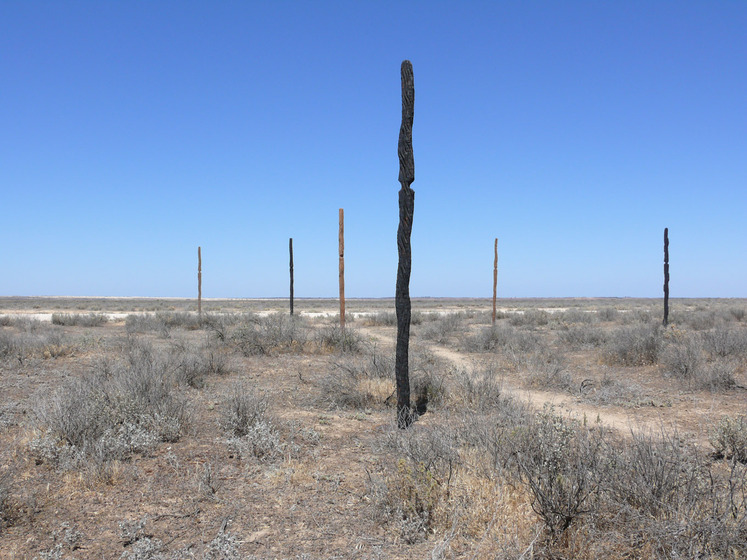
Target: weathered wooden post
{"x": 199, "y": 281}
{"x": 342, "y": 269}
{"x": 495, "y": 276}
{"x": 666, "y": 276}
{"x": 290, "y": 250}
{"x": 406, "y": 209}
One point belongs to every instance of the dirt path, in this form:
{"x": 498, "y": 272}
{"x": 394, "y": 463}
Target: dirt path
{"x": 622, "y": 420}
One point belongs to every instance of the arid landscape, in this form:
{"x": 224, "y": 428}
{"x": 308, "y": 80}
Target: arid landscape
{"x": 572, "y": 428}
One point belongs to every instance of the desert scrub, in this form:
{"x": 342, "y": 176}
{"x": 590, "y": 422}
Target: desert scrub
{"x": 726, "y": 342}
{"x": 562, "y": 464}
{"x": 363, "y": 381}
{"x": 7, "y": 509}
{"x": 664, "y": 494}
{"x": 531, "y": 318}
{"x": 477, "y": 388}
{"x": 502, "y": 339}
{"x": 608, "y": 314}
{"x": 575, "y": 317}
{"x": 193, "y": 366}
{"x": 685, "y": 358}
{"x": 618, "y": 392}
{"x": 634, "y": 346}
{"x": 120, "y": 409}
{"x": 413, "y": 496}
{"x": 335, "y": 339}
{"x": 144, "y": 323}
{"x": 584, "y": 336}
{"x": 441, "y": 330}
{"x": 250, "y": 432}
{"x": 37, "y": 343}
{"x": 366, "y": 380}
{"x": 275, "y": 333}
{"x": 381, "y": 318}
{"x": 79, "y": 319}
{"x": 729, "y": 438}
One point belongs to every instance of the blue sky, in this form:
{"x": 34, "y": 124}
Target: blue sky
{"x": 131, "y": 132}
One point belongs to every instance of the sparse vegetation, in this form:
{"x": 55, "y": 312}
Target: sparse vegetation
{"x": 79, "y": 319}
{"x": 123, "y": 408}
{"x": 225, "y": 422}
{"x": 729, "y": 438}
{"x": 634, "y": 346}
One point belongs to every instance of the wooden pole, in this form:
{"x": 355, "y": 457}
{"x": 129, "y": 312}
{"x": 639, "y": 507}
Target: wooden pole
{"x": 666, "y": 276}
{"x": 199, "y": 281}
{"x": 495, "y": 276}
{"x": 290, "y": 249}
{"x": 406, "y": 208}
{"x": 342, "y": 268}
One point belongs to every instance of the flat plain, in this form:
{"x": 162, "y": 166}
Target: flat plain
{"x": 571, "y": 428}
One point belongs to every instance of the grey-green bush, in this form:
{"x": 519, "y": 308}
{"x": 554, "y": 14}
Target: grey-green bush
{"x": 117, "y": 410}
{"x": 634, "y": 346}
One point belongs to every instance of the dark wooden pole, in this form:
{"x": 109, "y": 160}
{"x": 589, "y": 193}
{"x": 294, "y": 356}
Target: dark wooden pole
{"x": 199, "y": 281}
{"x": 666, "y": 276}
{"x": 406, "y": 209}
{"x": 342, "y": 268}
{"x": 495, "y": 275}
{"x": 290, "y": 250}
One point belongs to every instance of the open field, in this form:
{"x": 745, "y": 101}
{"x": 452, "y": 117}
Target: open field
{"x": 573, "y": 428}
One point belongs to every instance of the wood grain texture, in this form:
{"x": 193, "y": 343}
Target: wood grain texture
{"x": 406, "y": 210}
{"x": 342, "y": 268}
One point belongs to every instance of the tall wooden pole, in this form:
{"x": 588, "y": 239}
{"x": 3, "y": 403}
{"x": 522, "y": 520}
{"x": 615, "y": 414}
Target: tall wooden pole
{"x": 406, "y": 209}
{"x": 342, "y": 268}
{"x": 495, "y": 276}
{"x": 199, "y": 281}
{"x": 666, "y": 276}
{"x": 290, "y": 250}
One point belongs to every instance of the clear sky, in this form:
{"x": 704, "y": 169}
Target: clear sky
{"x": 131, "y": 132}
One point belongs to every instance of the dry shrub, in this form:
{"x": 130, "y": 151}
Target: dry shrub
{"x": 725, "y": 342}
{"x": 193, "y": 366}
{"x": 367, "y": 381}
{"x": 585, "y": 336}
{"x": 502, "y": 339}
{"x": 531, "y": 318}
{"x": 685, "y": 358}
{"x": 444, "y": 328}
{"x": 634, "y": 346}
{"x": 414, "y": 496}
{"x": 121, "y": 408}
{"x": 476, "y": 389}
{"x": 729, "y": 438}
{"x": 80, "y": 319}
{"x": 336, "y": 339}
{"x": 364, "y": 381}
{"x": 562, "y": 465}
{"x": 272, "y": 334}
{"x": 251, "y": 432}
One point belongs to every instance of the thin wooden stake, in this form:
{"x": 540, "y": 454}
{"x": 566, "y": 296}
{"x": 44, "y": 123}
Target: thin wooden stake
{"x": 342, "y": 269}
{"x": 495, "y": 276}
{"x": 199, "y": 281}
{"x": 290, "y": 249}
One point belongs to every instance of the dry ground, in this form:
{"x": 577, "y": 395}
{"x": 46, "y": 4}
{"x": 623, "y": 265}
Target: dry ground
{"x": 331, "y": 477}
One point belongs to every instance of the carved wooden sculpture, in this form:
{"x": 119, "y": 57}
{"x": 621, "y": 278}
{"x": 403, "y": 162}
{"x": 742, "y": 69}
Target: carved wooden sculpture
{"x": 342, "y": 268}
{"x": 495, "y": 276}
{"x": 199, "y": 281}
{"x": 666, "y": 276}
{"x": 406, "y": 208}
{"x": 290, "y": 250}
